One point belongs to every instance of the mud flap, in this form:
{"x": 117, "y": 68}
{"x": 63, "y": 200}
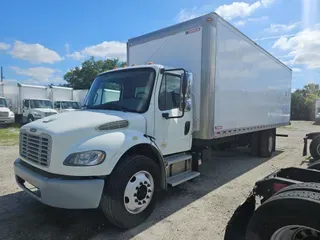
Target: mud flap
{"x": 237, "y": 225}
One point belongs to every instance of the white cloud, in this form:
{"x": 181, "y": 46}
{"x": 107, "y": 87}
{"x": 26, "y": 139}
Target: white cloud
{"x": 227, "y": 11}
{"x": 276, "y": 28}
{"x": 243, "y": 22}
{"x": 4, "y": 46}
{"x": 67, "y": 48}
{"x": 34, "y": 53}
{"x": 304, "y": 48}
{"x": 76, "y": 56}
{"x": 41, "y": 75}
{"x": 267, "y": 3}
{"x": 296, "y": 69}
{"x": 237, "y": 9}
{"x": 112, "y": 49}
{"x": 240, "y": 23}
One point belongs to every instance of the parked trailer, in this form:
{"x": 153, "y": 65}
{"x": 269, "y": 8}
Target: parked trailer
{"x": 212, "y": 86}
{"x": 317, "y": 112}
{"x": 80, "y": 95}
{"x": 62, "y": 98}
{"x": 283, "y": 205}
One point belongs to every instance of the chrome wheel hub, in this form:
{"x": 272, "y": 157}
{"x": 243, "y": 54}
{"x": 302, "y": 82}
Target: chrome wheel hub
{"x": 296, "y": 232}
{"x": 138, "y": 192}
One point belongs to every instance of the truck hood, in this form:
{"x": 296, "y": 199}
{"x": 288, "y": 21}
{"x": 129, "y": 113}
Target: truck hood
{"x": 4, "y": 109}
{"x": 75, "y": 121}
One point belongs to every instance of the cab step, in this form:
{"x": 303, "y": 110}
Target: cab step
{"x": 181, "y": 178}
{"x": 177, "y": 158}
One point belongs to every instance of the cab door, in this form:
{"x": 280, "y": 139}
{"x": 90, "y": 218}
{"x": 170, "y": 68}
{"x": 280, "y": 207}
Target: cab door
{"x": 172, "y": 135}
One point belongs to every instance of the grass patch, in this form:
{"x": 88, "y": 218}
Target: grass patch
{"x": 9, "y": 136}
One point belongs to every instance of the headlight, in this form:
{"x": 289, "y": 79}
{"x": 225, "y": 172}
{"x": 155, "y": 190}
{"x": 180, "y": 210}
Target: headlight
{"x": 11, "y": 114}
{"x": 88, "y": 158}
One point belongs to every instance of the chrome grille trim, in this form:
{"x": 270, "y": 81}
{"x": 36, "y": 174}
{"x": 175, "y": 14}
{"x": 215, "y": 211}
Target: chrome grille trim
{"x": 36, "y": 148}
{"x": 4, "y": 114}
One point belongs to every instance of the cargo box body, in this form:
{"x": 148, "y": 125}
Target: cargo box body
{"x": 237, "y": 87}
{"x": 60, "y": 94}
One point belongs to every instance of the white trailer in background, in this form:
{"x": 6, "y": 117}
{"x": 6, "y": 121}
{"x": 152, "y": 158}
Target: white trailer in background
{"x": 210, "y": 86}
{"x": 1, "y": 89}
{"x": 317, "y": 112}
{"x": 79, "y": 95}
{"x": 62, "y": 98}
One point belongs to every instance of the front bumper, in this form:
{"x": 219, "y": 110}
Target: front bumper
{"x": 6, "y": 120}
{"x": 59, "y": 191}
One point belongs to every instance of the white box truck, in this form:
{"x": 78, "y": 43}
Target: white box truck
{"x": 79, "y": 95}
{"x": 62, "y": 99}
{"x": 30, "y": 102}
{"x": 210, "y": 86}
{"x": 6, "y": 115}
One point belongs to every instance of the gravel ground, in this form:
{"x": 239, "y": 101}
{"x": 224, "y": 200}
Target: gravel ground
{"x": 198, "y": 209}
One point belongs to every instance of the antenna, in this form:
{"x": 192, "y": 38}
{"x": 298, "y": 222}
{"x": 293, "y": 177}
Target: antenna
{"x": 156, "y": 51}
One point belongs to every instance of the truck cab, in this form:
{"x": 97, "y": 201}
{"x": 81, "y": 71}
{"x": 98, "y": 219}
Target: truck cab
{"x": 6, "y": 115}
{"x": 35, "y": 108}
{"x": 122, "y": 138}
{"x": 66, "y": 106}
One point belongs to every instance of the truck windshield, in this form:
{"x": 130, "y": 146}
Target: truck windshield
{"x": 3, "y": 102}
{"x": 70, "y": 105}
{"x": 35, "y": 103}
{"x": 123, "y": 90}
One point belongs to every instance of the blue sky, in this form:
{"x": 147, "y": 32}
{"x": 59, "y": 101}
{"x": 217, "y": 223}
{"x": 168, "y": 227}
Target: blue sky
{"x": 41, "y": 40}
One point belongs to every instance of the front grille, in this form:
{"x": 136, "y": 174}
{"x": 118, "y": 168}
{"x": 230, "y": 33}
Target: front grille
{"x": 35, "y": 148}
{"x": 4, "y": 114}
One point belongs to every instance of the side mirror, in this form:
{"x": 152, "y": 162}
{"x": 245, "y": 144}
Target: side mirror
{"x": 186, "y": 81}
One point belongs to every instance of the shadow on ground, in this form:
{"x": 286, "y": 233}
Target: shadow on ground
{"x": 21, "y": 217}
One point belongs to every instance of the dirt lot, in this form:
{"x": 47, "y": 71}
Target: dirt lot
{"x": 195, "y": 210}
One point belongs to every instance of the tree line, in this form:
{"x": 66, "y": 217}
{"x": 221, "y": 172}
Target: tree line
{"x": 302, "y": 100}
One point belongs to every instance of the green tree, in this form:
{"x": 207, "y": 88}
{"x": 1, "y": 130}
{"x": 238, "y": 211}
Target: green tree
{"x": 303, "y": 102}
{"x": 82, "y": 77}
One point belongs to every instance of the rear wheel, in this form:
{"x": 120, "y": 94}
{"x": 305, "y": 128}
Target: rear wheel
{"x": 315, "y": 148}
{"x": 266, "y": 143}
{"x": 288, "y": 215}
{"x": 129, "y": 196}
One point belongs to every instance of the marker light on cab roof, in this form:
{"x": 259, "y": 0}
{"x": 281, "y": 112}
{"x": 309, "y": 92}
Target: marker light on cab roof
{"x": 149, "y": 63}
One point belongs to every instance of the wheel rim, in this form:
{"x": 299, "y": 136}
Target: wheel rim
{"x": 270, "y": 144}
{"x": 296, "y": 232}
{"x": 318, "y": 150}
{"x": 138, "y": 192}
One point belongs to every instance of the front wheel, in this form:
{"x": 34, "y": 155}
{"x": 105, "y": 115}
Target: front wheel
{"x": 130, "y": 193}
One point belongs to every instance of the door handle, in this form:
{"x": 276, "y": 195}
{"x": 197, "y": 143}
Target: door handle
{"x": 186, "y": 128}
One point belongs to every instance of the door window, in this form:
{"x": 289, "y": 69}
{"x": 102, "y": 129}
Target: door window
{"x": 169, "y": 96}
{"x": 26, "y": 103}
{"x": 57, "y": 105}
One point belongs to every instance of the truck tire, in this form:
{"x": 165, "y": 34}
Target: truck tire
{"x": 266, "y": 143}
{"x": 306, "y": 186}
{"x": 314, "y": 148}
{"x": 30, "y": 119}
{"x": 129, "y": 195}
{"x": 315, "y": 165}
{"x": 255, "y": 144}
{"x": 287, "y": 215}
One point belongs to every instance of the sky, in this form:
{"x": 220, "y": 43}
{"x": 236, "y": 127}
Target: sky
{"x": 41, "y": 40}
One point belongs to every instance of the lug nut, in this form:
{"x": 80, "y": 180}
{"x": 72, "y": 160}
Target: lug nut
{"x": 144, "y": 201}
{"x": 148, "y": 185}
{"x": 141, "y": 183}
{"x": 147, "y": 197}
{"x": 136, "y": 200}
{"x": 137, "y": 188}
{"x": 139, "y": 203}
{"x": 135, "y": 195}
{"x": 145, "y": 182}
{"x": 149, "y": 190}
